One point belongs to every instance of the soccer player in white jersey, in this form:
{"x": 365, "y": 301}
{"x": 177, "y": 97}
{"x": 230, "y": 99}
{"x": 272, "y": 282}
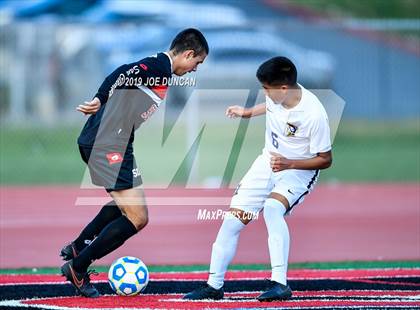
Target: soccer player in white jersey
{"x": 297, "y": 146}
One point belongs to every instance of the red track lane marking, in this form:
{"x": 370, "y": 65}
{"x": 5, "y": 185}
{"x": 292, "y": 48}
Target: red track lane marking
{"x": 234, "y": 275}
{"x": 173, "y": 301}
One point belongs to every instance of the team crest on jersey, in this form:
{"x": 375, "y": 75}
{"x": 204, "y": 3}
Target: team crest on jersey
{"x": 114, "y": 158}
{"x": 291, "y": 129}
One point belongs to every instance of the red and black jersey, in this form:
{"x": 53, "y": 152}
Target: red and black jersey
{"x": 129, "y": 96}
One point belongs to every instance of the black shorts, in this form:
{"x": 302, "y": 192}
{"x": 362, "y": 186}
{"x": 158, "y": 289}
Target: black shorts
{"x": 111, "y": 169}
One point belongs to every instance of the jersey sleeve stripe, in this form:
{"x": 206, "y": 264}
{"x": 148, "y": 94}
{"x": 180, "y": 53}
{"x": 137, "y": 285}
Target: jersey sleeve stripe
{"x": 151, "y": 94}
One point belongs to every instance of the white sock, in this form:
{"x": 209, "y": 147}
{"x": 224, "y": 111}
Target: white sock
{"x": 224, "y": 249}
{"x": 278, "y": 239}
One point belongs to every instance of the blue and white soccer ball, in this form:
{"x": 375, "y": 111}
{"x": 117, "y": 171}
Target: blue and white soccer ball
{"x": 128, "y": 276}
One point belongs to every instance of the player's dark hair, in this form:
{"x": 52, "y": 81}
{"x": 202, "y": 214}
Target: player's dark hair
{"x": 190, "y": 39}
{"x": 277, "y": 71}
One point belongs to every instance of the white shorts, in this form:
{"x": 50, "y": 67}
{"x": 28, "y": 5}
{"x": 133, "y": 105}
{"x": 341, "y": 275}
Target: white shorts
{"x": 260, "y": 181}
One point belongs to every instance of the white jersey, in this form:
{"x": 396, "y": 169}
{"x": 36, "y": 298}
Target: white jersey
{"x": 297, "y": 133}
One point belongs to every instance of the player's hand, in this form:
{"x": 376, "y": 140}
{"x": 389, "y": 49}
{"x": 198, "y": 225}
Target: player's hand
{"x": 236, "y": 111}
{"x": 89, "y": 107}
{"x": 279, "y": 163}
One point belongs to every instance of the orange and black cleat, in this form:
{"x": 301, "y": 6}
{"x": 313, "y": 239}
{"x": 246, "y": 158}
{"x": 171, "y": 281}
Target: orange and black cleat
{"x": 69, "y": 251}
{"x": 81, "y": 281}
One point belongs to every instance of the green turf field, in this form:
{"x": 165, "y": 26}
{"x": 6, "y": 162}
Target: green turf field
{"x": 185, "y": 268}
{"x": 363, "y": 152}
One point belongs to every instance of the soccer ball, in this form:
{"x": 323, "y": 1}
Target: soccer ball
{"x": 128, "y": 276}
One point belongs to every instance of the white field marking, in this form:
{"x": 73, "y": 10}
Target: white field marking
{"x": 415, "y": 293}
{"x": 372, "y": 298}
{"x": 18, "y": 303}
{"x": 391, "y": 301}
{"x": 248, "y": 294}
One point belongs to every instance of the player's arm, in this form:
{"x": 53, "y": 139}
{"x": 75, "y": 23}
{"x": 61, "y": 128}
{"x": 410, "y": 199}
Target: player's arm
{"x": 101, "y": 96}
{"x": 89, "y": 107}
{"x": 320, "y": 161}
{"x": 238, "y": 111}
{"x": 320, "y": 144}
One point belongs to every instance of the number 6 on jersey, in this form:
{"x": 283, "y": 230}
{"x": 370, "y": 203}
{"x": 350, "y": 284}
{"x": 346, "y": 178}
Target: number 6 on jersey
{"x": 274, "y": 136}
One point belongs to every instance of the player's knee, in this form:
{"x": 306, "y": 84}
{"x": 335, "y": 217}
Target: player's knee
{"x": 244, "y": 217}
{"x": 273, "y": 207}
{"x": 138, "y": 215}
{"x": 282, "y": 199}
{"x": 142, "y": 222}
{"x": 139, "y": 221}
{"x": 229, "y": 231}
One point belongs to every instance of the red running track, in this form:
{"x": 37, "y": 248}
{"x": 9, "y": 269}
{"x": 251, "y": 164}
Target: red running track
{"x": 335, "y": 223}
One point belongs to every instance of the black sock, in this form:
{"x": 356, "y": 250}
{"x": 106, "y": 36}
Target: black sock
{"x": 110, "y": 238}
{"x": 108, "y": 213}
